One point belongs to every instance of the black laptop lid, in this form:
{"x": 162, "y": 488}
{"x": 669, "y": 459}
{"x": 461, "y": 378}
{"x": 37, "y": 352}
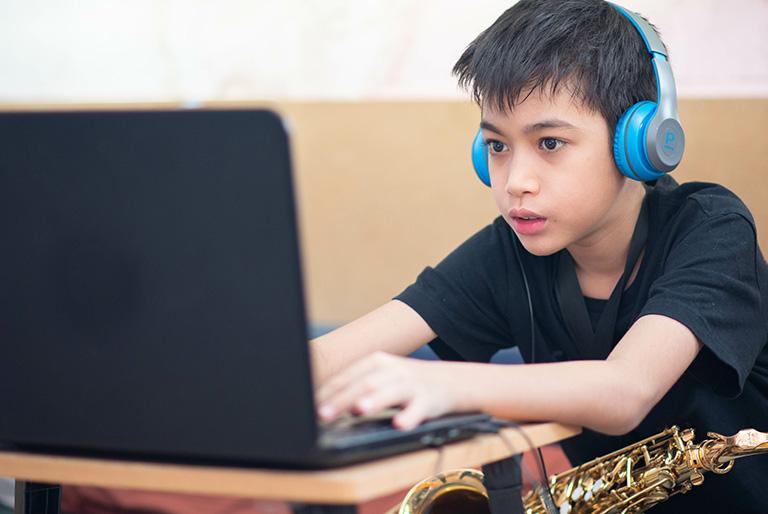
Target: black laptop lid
{"x": 150, "y": 289}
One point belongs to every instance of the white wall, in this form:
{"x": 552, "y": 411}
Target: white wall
{"x": 196, "y": 50}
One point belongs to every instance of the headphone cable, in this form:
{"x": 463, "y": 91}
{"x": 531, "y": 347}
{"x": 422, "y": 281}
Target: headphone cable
{"x": 543, "y": 467}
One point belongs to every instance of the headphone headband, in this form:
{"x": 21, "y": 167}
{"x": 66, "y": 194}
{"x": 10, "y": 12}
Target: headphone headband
{"x": 664, "y": 138}
{"x": 650, "y": 37}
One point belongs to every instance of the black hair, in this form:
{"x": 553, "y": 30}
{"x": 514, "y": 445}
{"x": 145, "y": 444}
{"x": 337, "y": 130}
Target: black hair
{"x": 542, "y": 45}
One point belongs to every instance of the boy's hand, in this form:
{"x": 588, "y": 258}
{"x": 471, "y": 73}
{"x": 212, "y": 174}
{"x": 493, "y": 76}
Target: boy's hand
{"x": 424, "y": 389}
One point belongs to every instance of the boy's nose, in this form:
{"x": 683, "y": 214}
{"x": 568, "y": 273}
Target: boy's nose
{"x": 521, "y": 179}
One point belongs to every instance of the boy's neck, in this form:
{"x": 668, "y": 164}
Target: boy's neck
{"x": 600, "y": 258}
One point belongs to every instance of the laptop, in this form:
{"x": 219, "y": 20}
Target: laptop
{"x": 151, "y": 295}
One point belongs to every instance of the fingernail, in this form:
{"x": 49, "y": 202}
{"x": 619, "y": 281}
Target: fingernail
{"x": 326, "y": 411}
{"x": 401, "y": 425}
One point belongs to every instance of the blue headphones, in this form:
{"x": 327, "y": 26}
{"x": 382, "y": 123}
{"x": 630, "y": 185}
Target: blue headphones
{"x": 649, "y": 140}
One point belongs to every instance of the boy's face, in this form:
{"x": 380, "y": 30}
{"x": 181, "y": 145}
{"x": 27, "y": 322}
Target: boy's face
{"x": 550, "y": 161}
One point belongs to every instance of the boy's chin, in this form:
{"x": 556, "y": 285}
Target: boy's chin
{"x": 539, "y": 246}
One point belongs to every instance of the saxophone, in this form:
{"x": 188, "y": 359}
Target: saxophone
{"x": 627, "y": 481}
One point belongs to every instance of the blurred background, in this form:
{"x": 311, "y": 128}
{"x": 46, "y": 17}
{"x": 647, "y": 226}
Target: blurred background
{"x": 380, "y": 131}
{"x": 363, "y": 50}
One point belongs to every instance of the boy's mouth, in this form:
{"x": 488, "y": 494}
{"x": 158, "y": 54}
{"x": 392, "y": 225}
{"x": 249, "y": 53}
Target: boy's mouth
{"x": 526, "y": 222}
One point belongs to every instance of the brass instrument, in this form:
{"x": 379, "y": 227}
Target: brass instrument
{"x": 627, "y": 481}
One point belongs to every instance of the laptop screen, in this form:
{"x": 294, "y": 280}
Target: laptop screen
{"x": 150, "y": 285}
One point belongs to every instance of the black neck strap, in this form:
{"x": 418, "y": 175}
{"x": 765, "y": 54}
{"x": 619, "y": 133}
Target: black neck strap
{"x": 597, "y": 344}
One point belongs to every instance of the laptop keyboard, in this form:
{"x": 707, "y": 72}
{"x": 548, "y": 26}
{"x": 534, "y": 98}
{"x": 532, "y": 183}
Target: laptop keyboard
{"x": 350, "y": 430}
{"x": 351, "y": 421}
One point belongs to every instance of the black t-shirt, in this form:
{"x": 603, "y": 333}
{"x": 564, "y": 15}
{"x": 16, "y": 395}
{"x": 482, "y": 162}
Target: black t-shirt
{"x": 702, "y": 266}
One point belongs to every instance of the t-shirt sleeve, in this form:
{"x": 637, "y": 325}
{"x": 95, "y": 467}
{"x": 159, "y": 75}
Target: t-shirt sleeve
{"x": 711, "y": 284}
{"x": 464, "y": 299}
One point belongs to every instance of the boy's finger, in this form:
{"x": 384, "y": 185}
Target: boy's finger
{"x": 341, "y": 380}
{"x": 344, "y": 399}
{"x": 391, "y": 395}
{"x": 411, "y": 416}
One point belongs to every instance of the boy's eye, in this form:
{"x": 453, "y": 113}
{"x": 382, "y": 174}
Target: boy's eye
{"x": 550, "y": 144}
{"x": 496, "y": 146}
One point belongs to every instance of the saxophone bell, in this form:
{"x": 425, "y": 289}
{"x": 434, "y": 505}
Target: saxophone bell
{"x": 458, "y": 491}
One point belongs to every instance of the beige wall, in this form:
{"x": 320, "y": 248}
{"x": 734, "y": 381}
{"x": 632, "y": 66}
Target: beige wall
{"x": 385, "y": 189}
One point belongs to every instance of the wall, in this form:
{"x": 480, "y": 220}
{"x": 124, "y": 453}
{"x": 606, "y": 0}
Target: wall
{"x": 307, "y": 50}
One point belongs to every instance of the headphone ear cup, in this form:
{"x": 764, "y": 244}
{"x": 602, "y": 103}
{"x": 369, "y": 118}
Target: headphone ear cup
{"x": 629, "y": 150}
{"x": 480, "y": 158}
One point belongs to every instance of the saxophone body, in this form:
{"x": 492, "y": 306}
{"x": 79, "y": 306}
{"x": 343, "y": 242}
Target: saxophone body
{"x": 627, "y": 481}
{"x": 648, "y": 472}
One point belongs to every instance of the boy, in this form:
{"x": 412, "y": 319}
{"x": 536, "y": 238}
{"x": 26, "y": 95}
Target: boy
{"x": 686, "y": 343}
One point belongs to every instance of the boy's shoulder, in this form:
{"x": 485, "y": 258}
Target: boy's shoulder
{"x": 699, "y": 200}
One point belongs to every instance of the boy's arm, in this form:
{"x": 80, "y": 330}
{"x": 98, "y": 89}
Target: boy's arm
{"x": 610, "y": 396}
{"x": 392, "y": 328}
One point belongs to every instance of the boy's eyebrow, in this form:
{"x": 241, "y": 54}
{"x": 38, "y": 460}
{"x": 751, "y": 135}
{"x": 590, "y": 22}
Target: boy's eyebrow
{"x": 547, "y": 124}
{"x": 487, "y": 125}
{"x": 533, "y": 127}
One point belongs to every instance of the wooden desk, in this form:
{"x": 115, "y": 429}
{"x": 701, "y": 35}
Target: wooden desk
{"x": 341, "y": 486}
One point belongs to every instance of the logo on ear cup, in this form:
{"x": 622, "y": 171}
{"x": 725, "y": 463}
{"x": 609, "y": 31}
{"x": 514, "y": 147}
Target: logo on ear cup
{"x": 670, "y": 145}
{"x": 669, "y": 141}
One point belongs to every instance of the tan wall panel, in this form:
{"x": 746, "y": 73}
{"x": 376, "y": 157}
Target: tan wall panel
{"x": 387, "y": 188}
